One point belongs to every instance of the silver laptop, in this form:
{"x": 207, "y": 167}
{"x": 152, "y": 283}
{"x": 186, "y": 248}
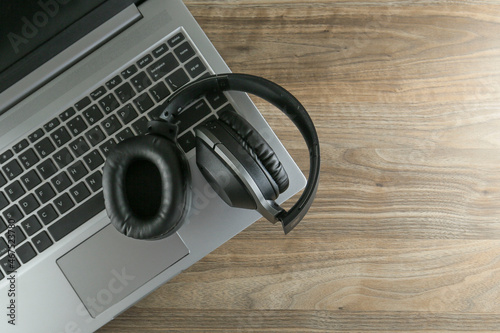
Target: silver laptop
{"x": 77, "y": 77}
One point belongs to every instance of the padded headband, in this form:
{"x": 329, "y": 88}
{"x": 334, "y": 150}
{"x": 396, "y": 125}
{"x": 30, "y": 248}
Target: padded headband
{"x": 279, "y": 97}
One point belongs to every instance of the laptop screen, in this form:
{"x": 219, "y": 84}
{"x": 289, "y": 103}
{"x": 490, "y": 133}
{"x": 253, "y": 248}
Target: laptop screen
{"x": 27, "y": 24}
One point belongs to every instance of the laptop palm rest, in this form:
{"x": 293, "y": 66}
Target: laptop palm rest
{"x": 104, "y": 275}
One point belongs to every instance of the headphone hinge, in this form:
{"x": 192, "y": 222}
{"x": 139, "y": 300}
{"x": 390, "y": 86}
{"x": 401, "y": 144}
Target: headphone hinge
{"x": 163, "y": 128}
{"x": 223, "y": 82}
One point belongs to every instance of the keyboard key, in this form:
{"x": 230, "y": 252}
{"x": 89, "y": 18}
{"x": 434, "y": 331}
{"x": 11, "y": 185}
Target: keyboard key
{"x": 125, "y": 134}
{"x": 4, "y": 248}
{"x": 63, "y": 203}
{"x": 98, "y": 93}
{"x": 30, "y": 226}
{"x": 10, "y": 264}
{"x": 141, "y": 81}
{"x": 12, "y": 169}
{"x": 93, "y": 160}
{"x": 5, "y": 156}
{"x": 129, "y": 72}
{"x": 13, "y": 214}
{"x": 160, "y": 50}
{"x": 28, "y": 158}
{"x": 184, "y": 52}
{"x": 114, "y": 82}
{"x": 14, "y": 190}
{"x": 61, "y": 136}
{"x": 47, "y": 168}
{"x": 162, "y": 67}
{"x": 33, "y": 137}
{"x": 77, "y": 170}
{"x": 144, "y": 61}
{"x": 3, "y": 203}
{"x": 45, "y": 193}
{"x": 77, "y": 125}
{"x": 107, "y": 146}
{"x": 51, "y": 125}
{"x": 124, "y": 92}
{"x": 61, "y": 182}
{"x": 226, "y": 108}
{"x": 25, "y": 252}
{"x": 216, "y": 100}
{"x": 30, "y": 180}
{"x": 111, "y": 124}
{"x": 47, "y": 214}
{"x": 177, "y": 79}
{"x": 176, "y": 39}
{"x": 95, "y": 181}
{"x": 19, "y": 235}
{"x": 144, "y": 102}
{"x": 156, "y": 112}
{"x": 28, "y": 204}
{"x": 127, "y": 113}
{"x": 3, "y": 181}
{"x": 140, "y": 126}
{"x": 159, "y": 91}
{"x": 83, "y": 103}
{"x": 42, "y": 241}
{"x": 187, "y": 141}
{"x": 63, "y": 157}
{"x": 192, "y": 115}
{"x": 44, "y": 147}
{"x": 20, "y": 146}
{"x": 67, "y": 114}
{"x": 195, "y": 67}
{"x": 77, "y": 217}
{"x": 79, "y": 147}
{"x": 95, "y": 135}
{"x": 79, "y": 192}
{"x": 93, "y": 114}
{"x": 109, "y": 103}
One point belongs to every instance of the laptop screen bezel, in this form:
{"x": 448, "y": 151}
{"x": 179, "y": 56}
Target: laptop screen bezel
{"x": 61, "y": 41}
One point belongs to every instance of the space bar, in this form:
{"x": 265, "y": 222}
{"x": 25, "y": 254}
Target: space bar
{"x": 77, "y": 217}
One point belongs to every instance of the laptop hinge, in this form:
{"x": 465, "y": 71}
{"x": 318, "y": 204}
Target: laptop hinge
{"x": 68, "y": 57}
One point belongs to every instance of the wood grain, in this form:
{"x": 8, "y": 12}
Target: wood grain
{"x": 405, "y": 231}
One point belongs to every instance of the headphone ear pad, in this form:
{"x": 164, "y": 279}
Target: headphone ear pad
{"x": 147, "y": 187}
{"x": 257, "y": 146}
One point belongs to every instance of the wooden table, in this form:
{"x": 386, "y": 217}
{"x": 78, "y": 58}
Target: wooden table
{"x": 405, "y": 230}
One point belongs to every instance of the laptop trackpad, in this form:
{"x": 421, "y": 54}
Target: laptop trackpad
{"x": 109, "y": 266}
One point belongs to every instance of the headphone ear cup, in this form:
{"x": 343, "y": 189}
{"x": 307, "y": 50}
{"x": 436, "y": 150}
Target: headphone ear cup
{"x": 225, "y": 182}
{"x": 231, "y": 167}
{"x": 147, "y": 187}
{"x": 250, "y": 139}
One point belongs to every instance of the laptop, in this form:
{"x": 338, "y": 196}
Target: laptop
{"x": 76, "y": 78}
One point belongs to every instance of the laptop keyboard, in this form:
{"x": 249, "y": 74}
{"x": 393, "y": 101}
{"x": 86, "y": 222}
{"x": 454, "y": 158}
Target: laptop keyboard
{"x": 50, "y": 181}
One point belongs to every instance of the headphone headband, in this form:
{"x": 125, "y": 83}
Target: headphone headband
{"x": 279, "y": 97}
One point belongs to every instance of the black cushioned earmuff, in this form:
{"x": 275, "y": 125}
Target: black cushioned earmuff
{"x": 151, "y": 183}
{"x": 146, "y": 179}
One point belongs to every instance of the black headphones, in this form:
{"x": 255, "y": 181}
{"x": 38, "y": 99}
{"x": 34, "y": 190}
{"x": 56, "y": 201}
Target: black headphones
{"x": 147, "y": 179}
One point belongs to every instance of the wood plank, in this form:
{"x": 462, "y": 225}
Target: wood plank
{"x": 186, "y": 320}
{"x": 329, "y": 273}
